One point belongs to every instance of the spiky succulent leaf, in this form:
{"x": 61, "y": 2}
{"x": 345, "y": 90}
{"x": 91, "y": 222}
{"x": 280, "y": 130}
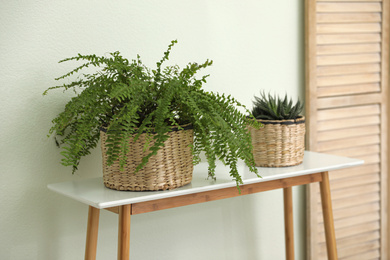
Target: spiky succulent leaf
{"x": 271, "y": 107}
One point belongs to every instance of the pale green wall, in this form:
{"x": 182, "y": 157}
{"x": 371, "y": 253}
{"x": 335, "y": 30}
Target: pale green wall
{"x": 255, "y": 45}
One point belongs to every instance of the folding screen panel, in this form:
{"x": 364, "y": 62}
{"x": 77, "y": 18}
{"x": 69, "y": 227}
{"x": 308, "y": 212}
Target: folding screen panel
{"x": 346, "y": 101}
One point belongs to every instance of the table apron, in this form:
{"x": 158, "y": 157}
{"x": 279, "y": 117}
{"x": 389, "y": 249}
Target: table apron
{"x": 206, "y": 196}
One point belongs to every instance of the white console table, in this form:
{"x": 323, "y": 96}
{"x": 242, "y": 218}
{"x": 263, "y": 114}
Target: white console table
{"x": 314, "y": 169}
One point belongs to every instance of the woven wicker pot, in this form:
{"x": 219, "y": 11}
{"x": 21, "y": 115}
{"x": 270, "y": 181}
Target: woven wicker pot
{"x": 279, "y": 143}
{"x": 171, "y": 168}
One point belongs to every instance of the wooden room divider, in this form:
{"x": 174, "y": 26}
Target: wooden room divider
{"x": 347, "y": 58}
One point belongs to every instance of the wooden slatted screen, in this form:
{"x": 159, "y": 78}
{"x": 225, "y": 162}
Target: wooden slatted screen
{"x": 346, "y": 101}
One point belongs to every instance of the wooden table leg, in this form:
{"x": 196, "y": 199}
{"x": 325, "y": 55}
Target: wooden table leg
{"x": 124, "y": 232}
{"x": 288, "y": 223}
{"x": 328, "y": 217}
{"x": 92, "y": 233}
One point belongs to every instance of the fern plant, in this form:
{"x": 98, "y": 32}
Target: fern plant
{"x": 128, "y": 99}
{"x": 270, "y": 107}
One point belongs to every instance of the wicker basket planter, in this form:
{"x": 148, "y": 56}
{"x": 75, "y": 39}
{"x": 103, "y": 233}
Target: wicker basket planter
{"x": 279, "y": 143}
{"x": 171, "y": 168}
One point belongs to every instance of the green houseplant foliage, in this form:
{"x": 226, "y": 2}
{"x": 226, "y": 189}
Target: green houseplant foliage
{"x": 128, "y": 99}
{"x": 270, "y": 107}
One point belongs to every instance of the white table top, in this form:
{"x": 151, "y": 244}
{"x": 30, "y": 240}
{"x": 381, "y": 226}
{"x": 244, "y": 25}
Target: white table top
{"x": 93, "y": 192}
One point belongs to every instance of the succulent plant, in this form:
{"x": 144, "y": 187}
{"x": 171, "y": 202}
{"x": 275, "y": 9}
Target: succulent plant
{"x": 270, "y": 107}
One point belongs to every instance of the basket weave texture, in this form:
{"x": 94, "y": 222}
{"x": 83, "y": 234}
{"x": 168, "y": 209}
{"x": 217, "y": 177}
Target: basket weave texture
{"x": 279, "y": 143}
{"x": 170, "y": 168}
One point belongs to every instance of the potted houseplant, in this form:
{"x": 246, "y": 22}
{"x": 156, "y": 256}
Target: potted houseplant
{"x": 281, "y": 140}
{"x": 138, "y": 114}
